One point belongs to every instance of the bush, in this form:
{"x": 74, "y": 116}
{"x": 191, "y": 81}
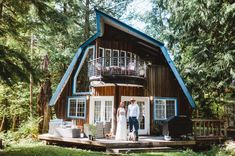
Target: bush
{"x": 27, "y": 129}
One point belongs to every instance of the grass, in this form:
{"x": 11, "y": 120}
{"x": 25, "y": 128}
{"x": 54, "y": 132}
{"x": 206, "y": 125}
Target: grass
{"x": 34, "y": 148}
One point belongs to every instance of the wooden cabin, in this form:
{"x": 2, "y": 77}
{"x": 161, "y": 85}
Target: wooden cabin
{"x": 121, "y": 63}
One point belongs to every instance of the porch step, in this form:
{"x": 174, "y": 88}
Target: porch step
{"x": 147, "y": 149}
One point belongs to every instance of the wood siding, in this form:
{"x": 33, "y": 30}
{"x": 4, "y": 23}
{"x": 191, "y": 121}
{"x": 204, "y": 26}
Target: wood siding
{"x": 162, "y": 83}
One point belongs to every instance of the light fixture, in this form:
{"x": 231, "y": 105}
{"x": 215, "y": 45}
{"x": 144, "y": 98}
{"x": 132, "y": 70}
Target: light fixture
{"x": 87, "y": 97}
{"x": 151, "y": 98}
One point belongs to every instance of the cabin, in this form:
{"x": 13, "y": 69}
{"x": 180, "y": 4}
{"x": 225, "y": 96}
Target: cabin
{"x": 121, "y": 62}
{"x": 116, "y": 64}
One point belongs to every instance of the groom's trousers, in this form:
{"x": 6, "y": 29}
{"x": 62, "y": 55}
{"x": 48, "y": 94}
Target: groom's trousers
{"x": 134, "y": 123}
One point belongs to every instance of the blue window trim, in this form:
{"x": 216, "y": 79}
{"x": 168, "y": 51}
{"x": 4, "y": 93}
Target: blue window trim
{"x": 164, "y": 98}
{"x": 68, "y": 107}
{"x": 74, "y": 86}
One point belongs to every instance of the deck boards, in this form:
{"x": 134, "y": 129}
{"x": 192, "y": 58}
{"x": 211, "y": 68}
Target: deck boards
{"x": 144, "y": 142}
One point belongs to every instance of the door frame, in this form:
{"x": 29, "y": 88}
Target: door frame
{"x": 146, "y": 100}
{"x": 102, "y": 99}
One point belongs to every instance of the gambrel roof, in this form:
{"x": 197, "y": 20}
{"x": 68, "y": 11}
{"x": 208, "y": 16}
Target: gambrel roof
{"x": 101, "y": 19}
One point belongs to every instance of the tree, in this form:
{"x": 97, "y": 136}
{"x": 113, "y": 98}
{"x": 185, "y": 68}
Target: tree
{"x": 201, "y": 36}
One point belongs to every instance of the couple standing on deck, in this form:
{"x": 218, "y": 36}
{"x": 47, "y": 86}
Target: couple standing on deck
{"x": 132, "y": 114}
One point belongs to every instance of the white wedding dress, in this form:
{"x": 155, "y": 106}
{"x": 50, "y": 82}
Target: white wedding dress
{"x": 121, "y": 133}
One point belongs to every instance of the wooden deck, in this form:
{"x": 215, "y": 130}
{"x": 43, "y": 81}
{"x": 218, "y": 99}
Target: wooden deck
{"x": 111, "y": 145}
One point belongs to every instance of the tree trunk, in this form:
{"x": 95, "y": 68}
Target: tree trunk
{"x": 43, "y": 108}
{"x": 13, "y": 127}
{"x": 46, "y": 118}
{"x": 2, "y": 123}
{"x": 87, "y": 23}
{"x": 31, "y": 81}
{"x": 1, "y": 9}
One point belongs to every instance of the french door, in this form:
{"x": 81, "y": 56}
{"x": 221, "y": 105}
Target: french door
{"x": 101, "y": 109}
{"x": 144, "y": 118}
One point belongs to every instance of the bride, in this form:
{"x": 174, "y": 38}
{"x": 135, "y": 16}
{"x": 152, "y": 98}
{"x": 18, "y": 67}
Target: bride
{"x": 121, "y": 133}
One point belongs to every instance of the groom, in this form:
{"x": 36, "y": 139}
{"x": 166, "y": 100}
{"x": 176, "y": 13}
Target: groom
{"x": 133, "y": 114}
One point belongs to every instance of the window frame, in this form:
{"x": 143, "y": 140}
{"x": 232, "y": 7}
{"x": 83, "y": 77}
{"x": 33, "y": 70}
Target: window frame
{"x": 98, "y": 55}
{"x": 165, "y": 107}
{"x": 77, "y": 99}
{"x": 122, "y": 51}
{"x": 112, "y": 58}
{"x": 110, "y": 54}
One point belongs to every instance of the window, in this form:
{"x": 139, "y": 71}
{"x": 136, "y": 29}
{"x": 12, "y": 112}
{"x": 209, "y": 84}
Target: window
{"x": 101, "y": 56}
{"x": 91, "y": 54}
{"x": 133, "y": 59}
{"x": 164, "y": 108}
{"x": 107, "y": 57}
{"x": 97, "y": 111}
{"x": 128, "y": 58}
{"x": 77, "y": 107}
{"x": 122, "y": 59}
{"x": 114, "y": 58}
{"x": 108, "y": 111}
{"x": 101, "y": 109}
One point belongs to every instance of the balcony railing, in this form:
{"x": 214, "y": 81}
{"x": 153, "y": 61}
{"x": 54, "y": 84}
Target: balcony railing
{"x": 105, "y": 66}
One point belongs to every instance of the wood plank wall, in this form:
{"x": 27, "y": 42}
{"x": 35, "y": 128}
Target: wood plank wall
{"x": 162, "y": 83}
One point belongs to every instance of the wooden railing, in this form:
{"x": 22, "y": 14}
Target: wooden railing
{"x": 209, "y": 128}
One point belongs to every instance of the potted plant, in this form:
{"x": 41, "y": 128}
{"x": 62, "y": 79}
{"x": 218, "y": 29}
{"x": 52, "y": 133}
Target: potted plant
{"x": 92, "y": 134}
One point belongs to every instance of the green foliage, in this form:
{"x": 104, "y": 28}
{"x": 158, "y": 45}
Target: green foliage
{"x": 27, "y": 130}
{"x": 201, "y": 37}
{"x": 29, "y": 147}
{"x": 39, "y": 149}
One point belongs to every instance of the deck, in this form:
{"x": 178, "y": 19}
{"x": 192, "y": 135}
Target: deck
{"x": 111, "y": 145}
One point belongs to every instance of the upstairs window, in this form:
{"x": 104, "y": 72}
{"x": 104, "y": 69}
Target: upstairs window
{"x": 77, "y": 107}
{"x": 165, "y": 108}
{"x": 114, "y": 58}
{"x": 107, "y": 57}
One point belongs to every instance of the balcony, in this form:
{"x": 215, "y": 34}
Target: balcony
{"x": 117, "y": 70}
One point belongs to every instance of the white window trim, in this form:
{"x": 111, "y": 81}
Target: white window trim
{"x": 101, "y": 48}
{"x": 116, "y": 50}
{"x": 68, "y": 110}
{"x": 122, "y": 51}
{"x": 92, "y": 107}
{"x": 164, "y": 99}
{"x": 110, "y": 54}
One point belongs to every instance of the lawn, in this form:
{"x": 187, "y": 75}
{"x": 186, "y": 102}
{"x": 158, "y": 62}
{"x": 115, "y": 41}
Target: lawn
{"x": 40, "y": 149}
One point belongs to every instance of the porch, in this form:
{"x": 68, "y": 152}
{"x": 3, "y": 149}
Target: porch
{"x": 205, "y": 133}
{"x": 149, "y": 143}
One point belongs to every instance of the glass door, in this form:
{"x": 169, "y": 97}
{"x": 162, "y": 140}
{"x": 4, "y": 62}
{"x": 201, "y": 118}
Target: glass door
{"x": 101, "y": 109}
{"x": 144, "y": 117}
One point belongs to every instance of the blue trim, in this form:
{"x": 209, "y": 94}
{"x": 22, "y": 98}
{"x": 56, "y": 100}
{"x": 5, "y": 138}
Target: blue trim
{"x": 68, "y": 107}
{"x": 164, "y": 98}
{"x": 138, "y": 33}
{"x": 164, "y": 51}
{"x": 178, "y": 77}
{"x": 68, "y": 72}
{"x": 65, "y": 78}
{"x": 80, "y": 67}
{"x": 129, "y": 28}
{"x": 84, "y": 93}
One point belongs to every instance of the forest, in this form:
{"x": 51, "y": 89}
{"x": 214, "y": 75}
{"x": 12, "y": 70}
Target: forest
{"x": 38, "y": 39}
